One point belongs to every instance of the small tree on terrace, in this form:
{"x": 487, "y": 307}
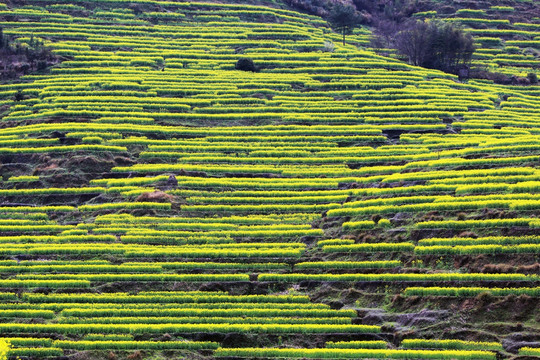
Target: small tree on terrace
{"x": 343, "y": 18}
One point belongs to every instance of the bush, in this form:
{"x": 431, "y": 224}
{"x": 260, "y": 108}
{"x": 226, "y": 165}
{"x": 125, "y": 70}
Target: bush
{"x": 245, "y": 64}
{"x": 329, "y": 46}
{"x": 512, "y": 50}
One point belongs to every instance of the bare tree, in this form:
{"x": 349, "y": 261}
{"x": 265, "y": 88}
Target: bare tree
{"x": 436, "y": 45}
{"x": 415, "y": 43}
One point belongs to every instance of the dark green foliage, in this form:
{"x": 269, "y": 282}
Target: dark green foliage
{"x": 343, "y": 19}
{"x": 436, "y": 45}
{"x": 19, "y": 96}
{"x": 245, "y": 64}
{"x": 4, "y": 41}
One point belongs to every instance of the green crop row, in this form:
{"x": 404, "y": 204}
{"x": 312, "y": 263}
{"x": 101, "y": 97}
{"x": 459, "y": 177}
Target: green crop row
{"x": 469, "y": 291}
{"x": 467, "y": 224}
{"x": 322, "y": 243}
{"x": 35, "y": 209}
{"x": 352, "y": 353}
{"x": 181, "y": 312}
{"x": 163, "y": 305}
{"x": 126, "y": 205}
{"x": 215, "y": 265}
{"x": 487, "y": 240}
{"x": 103, "y": 337}
{"x": 35, "y": 352}
{"x": 166, "y": 297}
{"x": 530, "y": 351}
{"x": 62, "y": 149}
{"x": 24, "y": 216}
{"x": 374, "y": 344}
{"x": 104, "y": 277}
{"x": 186, "y": 328}
{"x": 448, "y": 174}
{"x": 477, "y": 249}
{"x": 34, "y": 228}
{"x": 369, "y": 247}
{"x": 450, "y": 345}
{"x": 44, "y": 314}
{"x": 267, "y": 200}
{"x": 438, "y": 277}
{"x": 436, "y": 206}
{"x": 190, "y": 251}
{"x": 207, "y": 320}
{"x": 85, "y": 268}
{"x": 28, "y": 342}
{"x": 216, "y": 253}
{"x": 134, "y": 345}
{"x": 316, "y": 265}
{"x": 62, "y": 238}
{"x": 358, "y": 225}
{"x": 45, "y": 283}
{"x": 259, "y": 208}
{"x": 48, "y": 191}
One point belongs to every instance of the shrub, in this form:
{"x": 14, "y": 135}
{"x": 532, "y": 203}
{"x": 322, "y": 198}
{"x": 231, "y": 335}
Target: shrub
{"x": 246, "y": 64}
{"x": 329, "y": 46}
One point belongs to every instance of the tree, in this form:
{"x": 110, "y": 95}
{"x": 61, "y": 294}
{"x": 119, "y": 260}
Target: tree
{"x": 533, "y": 78}
{"x": 415, "y": 43}
{"x": 343, "y": 18}
{"x": 436, "y": 45}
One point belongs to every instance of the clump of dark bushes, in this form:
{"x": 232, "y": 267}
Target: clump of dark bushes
{"x": 246, "y": 64}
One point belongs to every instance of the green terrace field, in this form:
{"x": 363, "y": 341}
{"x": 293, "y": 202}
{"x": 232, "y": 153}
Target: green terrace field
{"x": 505, "y": 43}
{"x": 157, "y": 203}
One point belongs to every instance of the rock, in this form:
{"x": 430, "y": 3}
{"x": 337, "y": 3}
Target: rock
{"x": 397, "y": 230}
{"x": 123, "y": 161}
{"x": 400, "y": 218}
{"x": 166, "y": 337}
{"x": 308, "y": 239}
{"x": 58, "y": 134}
{"x": 155, "y": 196}
{"x": 336, "y": 305}
{"x": 514, "y": 346}
{"x": 374, "y": 318}
{"x": 422, "y": 317}
{"x": 331, "y": 224}
{"x": 88, "y": 164}
{"x": 347, "y": 186}
{"x": 172, "y": 182}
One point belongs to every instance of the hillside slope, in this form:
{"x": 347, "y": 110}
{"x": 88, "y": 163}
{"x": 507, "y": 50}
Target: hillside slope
{"x": 158, "y": 203}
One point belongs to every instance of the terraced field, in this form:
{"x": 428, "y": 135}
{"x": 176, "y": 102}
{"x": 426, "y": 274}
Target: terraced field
{"x": 505, "y": 44}
{"x": 158, "y": 203}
